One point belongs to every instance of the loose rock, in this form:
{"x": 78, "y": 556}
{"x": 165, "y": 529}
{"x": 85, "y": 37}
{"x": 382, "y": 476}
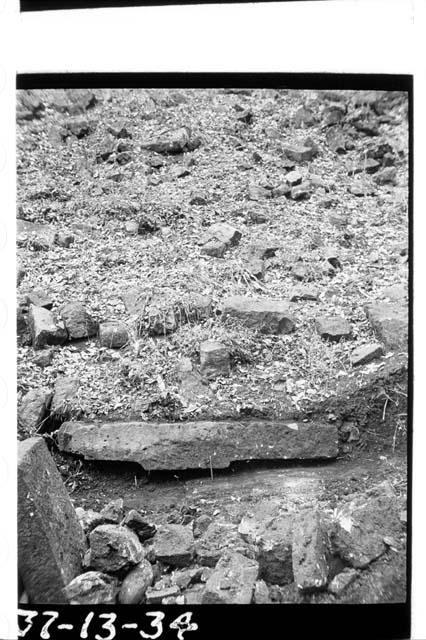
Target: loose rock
{"x": 233, "y": 580}
{"x": 342, "y": 580}
{"x": 135, "y": 521}
{"x": 44, "y": 330}
{"x": 214, "y": 359}
{"x": 64, "y": 396}
{"x": 113, "y": 335}
{"x": 390, "y": 323}
{"x": 333, "y": 328}
{"x": 92, "y": 587}
{"x": 33, "y": 409}
{"x": 136, "y": 583}
{"x": 113, "y": 548}
{"x": 218, "y": 538}
{"x": 266, "y": 315}
{"x": 78, "y": 322}
{"x": 366, "y": 354}
{"x": 174, "y": 545}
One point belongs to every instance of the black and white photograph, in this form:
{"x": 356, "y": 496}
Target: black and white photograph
{"x": 212, "y": 349}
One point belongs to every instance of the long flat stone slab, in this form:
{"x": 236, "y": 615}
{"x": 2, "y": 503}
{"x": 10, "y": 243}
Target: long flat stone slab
{"x": 51, "y": 542}
{"x": 193, "y": 445}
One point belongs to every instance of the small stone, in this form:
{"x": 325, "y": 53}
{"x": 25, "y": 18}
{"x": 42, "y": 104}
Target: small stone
{"x": 233, "y": 580}
{"x": 174, "y": 545}
{"x": 200, "y": 525}
{"x": 156, "y": 596}
{"x": 263, "y": 250}
{"x": 214, "y": 359}
{"x": 365, "y": 354}
{"x": 186, "y": 577}
{"x": 304, "y": 293}
{"x": 214, "y": 248}
{"x": 64, "y": 396}
{"x": 223, "y": 233}
{"x": 113, "y": 512}
{"x": 386, "y": 176}
{"x": 341, "y": 581}
{"x": 44, "y": 358}
{"x": 92, "y": 587}
{"x": 395, "y": 292}
{"x": 266, "y": 315}
{"x": 333, "y": 328}
{"x": 33, "y": 409}
{"x": 113, "y": 548}
{"x": 261, "y": 593}
{"x": 135, "y": 521}
{"x": 44, "y": 330}
{"x": 256, "y": 217}
{"x": 78, "y": 322}
{"x": 136, "y": 583}
{"x": 113, "y": 335}
{"x": 124, "y": 157}
{"x": 299, "y": 153}
{"x": 294, "y": 178}
{"x": 39, "y": 299}
{"x": 132, "y": 227}
{"x": 301, "y": 192}
{"x": 303, "y": 118}
{"x": 336, "y": 140}
{"x": 245, "y": 116}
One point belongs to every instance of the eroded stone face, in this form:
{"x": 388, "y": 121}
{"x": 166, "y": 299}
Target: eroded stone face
{"x": 233, "y": 580}
{"x": 51, "y": 541}
{"x": 390, "y": 323}
{"x": 174, "y": 545}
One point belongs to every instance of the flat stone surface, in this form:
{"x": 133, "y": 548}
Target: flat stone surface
{"x": 233, "y": 580}
{"x": 365, "y": 354}
{"x": 198, "y": 444}
{"x": 113, "y": 548}
{"x": 92, "y": 587}
{"x": 51, "y": 541}
{"x": 390, "y": 323}
{"x": 174, "y": 545}
{"x": 310, "y": 566}
{"x": 333, "y": 328}
{"x": 266, "y": 315}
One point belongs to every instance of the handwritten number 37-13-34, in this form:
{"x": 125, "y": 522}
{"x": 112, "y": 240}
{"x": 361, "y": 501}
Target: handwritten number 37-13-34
{"x": 181, "y": 624}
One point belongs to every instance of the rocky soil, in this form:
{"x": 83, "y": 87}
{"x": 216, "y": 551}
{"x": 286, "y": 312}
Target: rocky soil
{"x": 216, "y": 255}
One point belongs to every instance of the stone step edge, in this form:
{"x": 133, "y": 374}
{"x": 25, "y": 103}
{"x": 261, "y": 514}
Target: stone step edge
{"x": 200, "y": 444}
